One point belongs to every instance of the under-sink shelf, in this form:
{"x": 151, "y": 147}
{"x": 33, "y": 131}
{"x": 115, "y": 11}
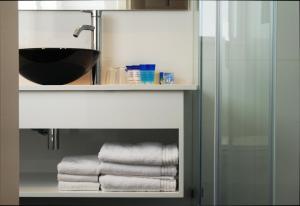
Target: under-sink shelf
{"x": 109, "y": 87}
{"x": 45, "y": 185}
{"x": 38, "y": 164}
{"x": 127, "y": 116}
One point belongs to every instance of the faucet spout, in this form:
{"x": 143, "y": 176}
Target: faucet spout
{"x": 81, "y": 28}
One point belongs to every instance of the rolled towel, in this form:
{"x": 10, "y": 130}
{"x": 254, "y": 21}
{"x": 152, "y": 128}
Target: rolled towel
{"x": 111, "y": 183}
{"x": 78, "y": 186}
{"x": 77, "y": 178}
{"x": 141, "y": 154}
{"x": 137, "y": 170}
{"x": 79, "y": 165}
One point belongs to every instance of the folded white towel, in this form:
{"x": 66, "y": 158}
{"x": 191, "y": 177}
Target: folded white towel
{"x": 78, "y": 186}
{"x": 77, "y": 178}
{"x": 137, "y": 170}
{"x": 143, "y": 153}
{"x": 110, "y": 183}
{"x": 79, "y": 165}
{"x": 160, "y": 178}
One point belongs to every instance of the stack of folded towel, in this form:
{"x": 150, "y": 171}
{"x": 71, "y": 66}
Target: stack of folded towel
{"x": 78, "y": 173}
{"x": 150, "y": 167}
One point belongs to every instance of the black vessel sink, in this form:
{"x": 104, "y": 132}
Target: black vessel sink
{"x": 55, "y": 66}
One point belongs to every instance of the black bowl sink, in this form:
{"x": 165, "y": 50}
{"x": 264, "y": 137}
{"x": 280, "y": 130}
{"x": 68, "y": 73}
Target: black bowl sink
{"x": 55, "y": 66}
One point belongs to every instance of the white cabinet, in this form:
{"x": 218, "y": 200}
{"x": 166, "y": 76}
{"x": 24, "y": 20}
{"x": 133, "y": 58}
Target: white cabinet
{"x": 101, "y": 109}
{"x": 93, "y": 108}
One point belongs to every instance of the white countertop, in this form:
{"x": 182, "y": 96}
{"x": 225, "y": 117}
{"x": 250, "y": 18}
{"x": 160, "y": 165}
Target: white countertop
{"x": 107, "y": 87}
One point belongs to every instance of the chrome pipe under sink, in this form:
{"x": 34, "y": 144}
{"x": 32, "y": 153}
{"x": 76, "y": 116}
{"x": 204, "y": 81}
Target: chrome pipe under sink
{"x": 53, "y": 139}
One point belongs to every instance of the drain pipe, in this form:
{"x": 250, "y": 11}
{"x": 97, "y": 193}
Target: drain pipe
{"x": 53, "y": 137}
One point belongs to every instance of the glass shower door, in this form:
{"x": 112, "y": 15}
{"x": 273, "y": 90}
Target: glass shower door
{"x": 250, "y": 112}
{"x": 245, "y": 103}
{"x": 240, "y": 86}
{"x": 244, "y": 119}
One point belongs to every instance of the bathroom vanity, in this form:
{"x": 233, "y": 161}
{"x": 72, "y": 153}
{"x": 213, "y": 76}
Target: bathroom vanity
{"x": 132, "y": 110}
{"x": 87, "y": 116}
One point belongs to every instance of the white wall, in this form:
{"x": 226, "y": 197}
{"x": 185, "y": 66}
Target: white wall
{"x": 163, "y": 38}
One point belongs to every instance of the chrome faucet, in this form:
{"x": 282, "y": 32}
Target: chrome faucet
{"x": 81, "y": 28}
{"x": 95, "y": 29}
{"x": 91, "y": 28}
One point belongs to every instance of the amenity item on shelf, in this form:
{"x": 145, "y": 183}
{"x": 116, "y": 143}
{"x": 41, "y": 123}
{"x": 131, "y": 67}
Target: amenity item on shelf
{"x": 116, "y": 75}
{"x": 137, "y": 170}
{"x": 78, "y": 186}
{"x": 111, "y": 183}
{"x": 147, "y": 73}
{"x": 77, "y": 178}
{"x": 139, "y": 154}
{"x": 166, "y": 78}
{"x": 111, "y": 76}
{"x": 156, "y": 77}
{"x": 122, "y": 78}
{"x": 79, "y": 165}
{"x": 133, "y": 74}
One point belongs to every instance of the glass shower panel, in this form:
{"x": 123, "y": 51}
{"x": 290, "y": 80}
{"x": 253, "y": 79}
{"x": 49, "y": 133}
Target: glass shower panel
{"x": 287, "y": 118}
{"x": 244, "y": 51}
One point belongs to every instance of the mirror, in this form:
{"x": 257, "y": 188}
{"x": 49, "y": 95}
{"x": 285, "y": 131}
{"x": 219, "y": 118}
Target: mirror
{"x": 109, "y": 5}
